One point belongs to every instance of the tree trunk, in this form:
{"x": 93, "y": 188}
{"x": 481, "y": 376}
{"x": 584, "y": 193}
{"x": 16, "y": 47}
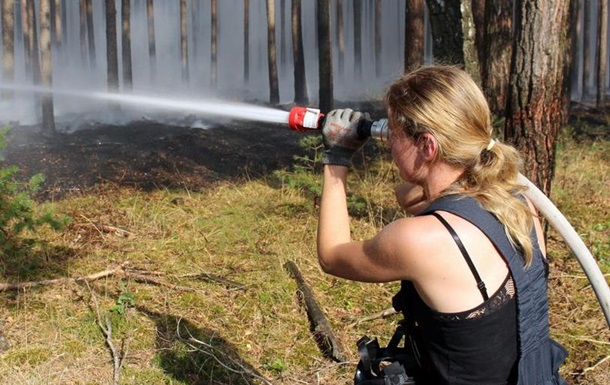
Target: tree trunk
{"x": 300, "y": 80}
{"x": 247, "y": 41}
{"x": 83, "y": 31}
{"x": 111, "y": 47}
{"x": 27, "y": 37}
{"x": 8, "y": 44}
{"x": 126, "y": 44}
{"x": 152, "y": 51}
{"x": 184, "y": 56}
{"x": 478, "y": 17}
{"x": 214, "y": 42}
{"x": 91, "y": 34}
{"x": 195, "y": 28}
{"x": 274, "y": 93}
{"x": 471, "y": 57}
{"x": 536, "y": 109}
{"x": 33, "y": 38}
{"x": 378, "y": 25}
{"x": 357, "y": 39}
{"x": 602, "y": 50}
{"x": 497, "y": 50}
{"x": 447, "y": 36}
{"x": 340, "y": 37}
{"x": 414, "y": 34}
{"x": 586, "y": 50}
{"x": 46, "y": 67}
{"x": 325, "y": 60}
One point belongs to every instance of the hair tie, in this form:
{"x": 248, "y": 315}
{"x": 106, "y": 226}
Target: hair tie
{"x": 490, "y": 145}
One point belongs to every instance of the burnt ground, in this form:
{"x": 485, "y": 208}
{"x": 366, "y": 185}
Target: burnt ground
{"x": 149, "y": 155}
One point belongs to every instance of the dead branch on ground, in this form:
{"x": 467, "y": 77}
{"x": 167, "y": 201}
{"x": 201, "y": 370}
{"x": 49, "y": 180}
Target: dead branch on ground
{"x": 322, "y": 331}
{"x": 382, "y": 314}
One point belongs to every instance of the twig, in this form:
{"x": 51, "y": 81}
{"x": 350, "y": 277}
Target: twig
{"x": 598, "y": 363}
{"x": 146, "y": 279}
{"x": 322, "y": 331}
{"x": 382, "y": 314}
{"x": 117, "y": 357}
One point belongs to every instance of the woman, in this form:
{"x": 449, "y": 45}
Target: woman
{"x": 472, "y": 259}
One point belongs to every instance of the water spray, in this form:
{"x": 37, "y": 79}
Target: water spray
{"x": 304, "y": 119}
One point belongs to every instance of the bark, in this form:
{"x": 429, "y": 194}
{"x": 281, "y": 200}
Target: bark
{"x": 58, "y": 30}
{"x": 414, "y": 34}
{"x": 274, "y": 93}
{"x": 46, "y": 67}
{"x": 357, "y": 39}
{"x": 27, "y": 36}
{"x": 602, "y": 50}
{"x": 214, "y": 43}
{"x": 195, "y": 28}
{"x": 126, "y": 44}
{"x": 300, "y": 80}
{"x": 323, "y": 333}
{"x": 586, "y": 50}
{"x": 497, "y": 53}
{"x": 184, "y": 56}
{"x": 447, "y": 36}
{"x": 340, "y": 37}
{"x": 83, "y": 30}
{"x": 325, "y": 61}
{"x": 471, "y": 57}
{"x": 247, "y": 41}
{"x": 111, "y": 47}
{"x": 152, "y": 51}
{"x": 8, "y": 43}
{"x": 478, "y": 18}
{"x": 33, "y": 39}
{"x": 536, "y": 107}
{"x": 90, "y": 33}
{"x": 378, "y": 25}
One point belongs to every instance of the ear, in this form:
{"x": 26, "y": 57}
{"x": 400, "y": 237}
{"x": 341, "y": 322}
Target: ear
{"x": 428, "y": 146}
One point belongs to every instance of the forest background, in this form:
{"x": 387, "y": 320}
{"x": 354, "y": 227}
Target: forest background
{"x": 172, "y": 267}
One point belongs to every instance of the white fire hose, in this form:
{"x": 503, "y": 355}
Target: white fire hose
{"x": 575, "y": 243}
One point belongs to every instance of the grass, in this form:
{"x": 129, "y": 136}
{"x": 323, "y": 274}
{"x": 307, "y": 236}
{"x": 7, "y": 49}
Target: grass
{"x": 241, "y": 318}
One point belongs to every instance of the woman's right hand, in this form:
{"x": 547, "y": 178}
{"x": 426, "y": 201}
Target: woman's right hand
{"x": 411, "y": 198}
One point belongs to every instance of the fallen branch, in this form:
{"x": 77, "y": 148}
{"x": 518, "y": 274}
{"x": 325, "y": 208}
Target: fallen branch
{"x": 88, "y": 278}
{"x": 382, "y": 314}
{"x": 598, "y": 363}
{"x": 322, "y": 331}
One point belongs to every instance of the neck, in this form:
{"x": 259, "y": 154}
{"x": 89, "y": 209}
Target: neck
{"x": 439, "y": 178}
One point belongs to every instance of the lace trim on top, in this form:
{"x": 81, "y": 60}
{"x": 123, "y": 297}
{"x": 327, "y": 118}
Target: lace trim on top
{"x": 501, "y": 297}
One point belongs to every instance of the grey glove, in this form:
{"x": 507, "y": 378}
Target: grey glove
{"x": 340, "y": 134}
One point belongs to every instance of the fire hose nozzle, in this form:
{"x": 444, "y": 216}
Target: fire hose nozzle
{"x": 304, "y": 119}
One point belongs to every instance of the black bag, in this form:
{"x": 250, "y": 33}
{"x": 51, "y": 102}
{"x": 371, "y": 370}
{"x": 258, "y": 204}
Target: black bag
{"x": 389, "y": 365}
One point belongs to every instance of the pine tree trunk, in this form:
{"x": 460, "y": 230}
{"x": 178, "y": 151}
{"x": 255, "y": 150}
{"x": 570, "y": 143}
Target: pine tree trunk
{"x": 46, "y": 67}
{"x": 91, "y": 34}
{"x": 447, "y": 36}
{"x": 602, "y": 50}
{"x": 184, "y": 56}
{"x": 340, "y": 37}
{"x": 214, "y": 43}
{"x": 152, "y": 50}
{"x": 536, "y": 107}
{"x": 378, "y": 25}
{"x": 8, "y": 44}
{"x": 300, "y": 81}
{"x": 83, "y": 31}
{"x": 497, "y": 52}
{"x": 126, "y": 44}
{"x": 586, "y": 50}
{"x": 27, "y": 37}
{"x": 358, "y": 39}
{"x": 274, "y": 94}
{"x": 111, "y": 47}
{"x": 325, "y": 61}
{"x": 478, "y": 17}
{"x": 414, "y": 34}
{"x": 247, "y": 41}
{"x": 33, "y": 38}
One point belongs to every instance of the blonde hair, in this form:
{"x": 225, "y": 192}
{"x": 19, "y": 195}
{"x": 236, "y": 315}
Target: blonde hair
{"x": 445, "y": 102}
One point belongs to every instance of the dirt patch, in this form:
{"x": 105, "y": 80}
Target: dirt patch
{"x": 148, "y": 155}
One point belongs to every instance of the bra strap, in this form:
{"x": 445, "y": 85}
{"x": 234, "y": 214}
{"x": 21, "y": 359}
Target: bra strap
{"x": 458, "y": 241}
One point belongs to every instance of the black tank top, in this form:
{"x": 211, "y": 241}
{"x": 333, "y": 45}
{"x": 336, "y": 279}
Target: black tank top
{"x": 477, "y": 346}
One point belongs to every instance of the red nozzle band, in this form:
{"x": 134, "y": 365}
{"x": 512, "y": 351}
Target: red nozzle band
{"x": 304, "y": 119}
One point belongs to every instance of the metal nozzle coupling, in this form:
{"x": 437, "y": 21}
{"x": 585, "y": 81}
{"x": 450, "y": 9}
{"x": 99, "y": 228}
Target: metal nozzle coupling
{"x": 379, "y": 130}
